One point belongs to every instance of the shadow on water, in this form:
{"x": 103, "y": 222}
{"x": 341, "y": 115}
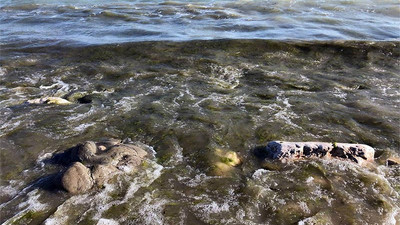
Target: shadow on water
{"x": 52, "y": 182}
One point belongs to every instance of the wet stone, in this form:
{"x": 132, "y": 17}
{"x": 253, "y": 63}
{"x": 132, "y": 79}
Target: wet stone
{"x": 105, "y": 159}
{"x": 77, "y": 179}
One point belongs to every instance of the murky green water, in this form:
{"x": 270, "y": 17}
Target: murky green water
{"x": 185, "y": 100}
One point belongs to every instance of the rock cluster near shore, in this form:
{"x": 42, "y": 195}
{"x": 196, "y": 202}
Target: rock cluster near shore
{"x": 96, "y": 163}
{"x": 286, "y": 151}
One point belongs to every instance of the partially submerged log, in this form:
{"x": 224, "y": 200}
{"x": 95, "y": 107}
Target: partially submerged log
{"x": 287, "y": 151}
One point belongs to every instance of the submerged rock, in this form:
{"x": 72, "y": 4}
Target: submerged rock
{"x": 286, "y": 151}
{"x": 227, "y": 160}
{"x": 49, "y": 100}
{"x": 98, "y": 162}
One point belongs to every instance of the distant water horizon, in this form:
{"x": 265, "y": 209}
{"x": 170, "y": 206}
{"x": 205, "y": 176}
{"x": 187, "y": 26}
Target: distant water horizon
{"x": 49, "y": 22}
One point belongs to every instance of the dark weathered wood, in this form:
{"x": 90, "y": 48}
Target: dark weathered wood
{"x": 286, "y": 151}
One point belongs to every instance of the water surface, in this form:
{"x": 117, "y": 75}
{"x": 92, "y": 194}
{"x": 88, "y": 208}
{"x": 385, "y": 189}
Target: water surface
{"x": 47, "y": 22}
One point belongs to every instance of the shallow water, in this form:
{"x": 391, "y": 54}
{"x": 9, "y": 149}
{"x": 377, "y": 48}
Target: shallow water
{"x": 185, "y": 100}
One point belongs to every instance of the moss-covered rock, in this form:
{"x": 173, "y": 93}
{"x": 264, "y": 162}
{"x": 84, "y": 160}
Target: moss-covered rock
{"x": 225, "y": 162}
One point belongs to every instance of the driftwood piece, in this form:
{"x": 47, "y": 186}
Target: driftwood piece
{"x": 286, "y": 151}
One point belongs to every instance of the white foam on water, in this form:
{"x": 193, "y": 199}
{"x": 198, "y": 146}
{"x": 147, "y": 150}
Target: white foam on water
{"x": 304, "y": 207}
{"x": 151, "y": 210}
{"x": 31, "y": 204}
{"x": 78, "y": 122}
{"x": 103, "y": 221}
{"x": 158, "y": 89}
{"x": 258, "y": 174}
{"x": 309, "y": 179}
{"x": 148, "y": 177}
{"x": 42, "y": 157}
{"x": 237, "y": 101}
{"x": 377, "y": 70}
{"x": 225, "y": 77}
{"x": 3, "y": 71}
{"x": 33, "y": 79}
{"x": 105, "y": 92}
{"x": 339, "y": 94}
{"x": 9, "y": 126}
{"x": 196, "y": 181}
{"x": 126, "y": 104}
{"x": 12, "y": 189}
{"x": 58, "y": 84}
{"x": 304, "y": 78}
{"x": 391, "y": 217}
{"x": 284, "y": 114}
{"x": 213, "y": 207}
{"x": 180, "y": 96}
{"x": 83, "y": 127}
{"x": 61, "y": 215}
{"x": 178, "y": 156}
{"x": 54, "y": 221}
{"x": 209, "y": 207}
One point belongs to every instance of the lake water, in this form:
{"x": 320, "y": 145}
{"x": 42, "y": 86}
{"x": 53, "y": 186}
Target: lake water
{"x": 189, "y": 79}
{"x": 43, "y": 22}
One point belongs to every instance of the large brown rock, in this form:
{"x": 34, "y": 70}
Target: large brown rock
{"x": 77, "y": 179}
{"x": 286, "y": 151}
{"x": 106, "y": 159}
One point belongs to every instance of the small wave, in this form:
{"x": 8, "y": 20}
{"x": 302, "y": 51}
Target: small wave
{"x": 103, "y": 201}
{"x": 3, "y": 71}
{"x": 31, "y": 205}
{"x": 103, "y": 221}
{"x": 226, "y": 77}
{"x": 111, "y": 14}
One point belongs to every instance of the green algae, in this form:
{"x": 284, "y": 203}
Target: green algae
{"x": 116, "y": 211}
{"x": 29, "y": 217}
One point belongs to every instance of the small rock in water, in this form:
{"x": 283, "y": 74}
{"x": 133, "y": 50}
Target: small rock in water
{"x": 227, "y": 160}
{"x": 393, "y": 161}
{"x": 286, "y": 151}
{"x": 49, "y": 100}
{"x": 105, "y": 158}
